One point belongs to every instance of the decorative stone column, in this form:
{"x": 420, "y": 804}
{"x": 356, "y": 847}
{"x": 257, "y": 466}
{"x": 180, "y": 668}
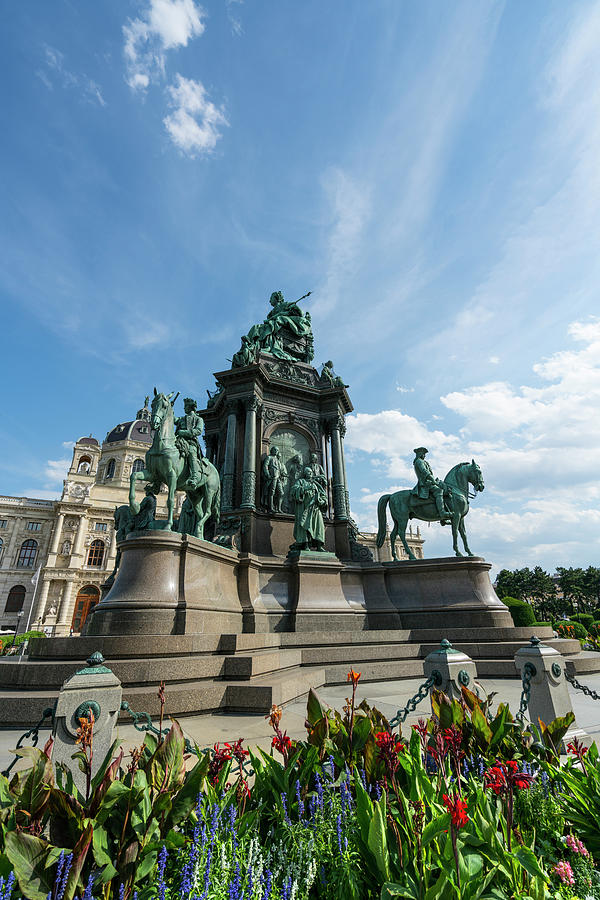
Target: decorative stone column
{"x": 40, "y": 603}
{"x": 10, "y": 558}
{"x": 78, "y": 546}
{"x": 249, "y": 471}
{"x": 340, "y": 512}
{"x": 63, "y": 613}
{"x": 346, "y": 494}
{"x": 57, "y": 532}
{"x": 229, "y": 463}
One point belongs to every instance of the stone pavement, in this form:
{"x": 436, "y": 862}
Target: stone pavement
{"x": 387, "y": 696}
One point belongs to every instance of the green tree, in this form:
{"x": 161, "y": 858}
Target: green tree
{"x": 514, "y": 584}
{"x": 591, "y": 586}
{"x": 542, "y": 592}
{"x": 571, "y": 583}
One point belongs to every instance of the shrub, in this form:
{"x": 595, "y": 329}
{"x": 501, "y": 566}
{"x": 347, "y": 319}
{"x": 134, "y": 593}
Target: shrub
{"x": 585, "y": 618}
{"x": 597, "y": 614}
{"x": 521, "y": 612}
{"x": 6, "y": 641}
{"x": 578, "y": 630}
{"x": 545, "y": 624}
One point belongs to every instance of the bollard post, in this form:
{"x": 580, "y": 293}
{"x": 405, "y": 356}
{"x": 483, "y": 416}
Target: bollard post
{"x": 454, "y": 668}
{"x": 549, "y": 692}
{"x": 93, "y": 688}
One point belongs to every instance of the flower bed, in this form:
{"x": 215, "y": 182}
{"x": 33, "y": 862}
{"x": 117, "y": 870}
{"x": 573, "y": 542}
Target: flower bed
{"x": 466, "y": 804}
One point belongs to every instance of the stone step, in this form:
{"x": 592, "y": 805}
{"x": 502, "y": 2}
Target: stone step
{"x": 249, "y": 664}
{"x": 376, "y": 670}
{"x": 357, "y": 654}
{"x": 259, "y": 694}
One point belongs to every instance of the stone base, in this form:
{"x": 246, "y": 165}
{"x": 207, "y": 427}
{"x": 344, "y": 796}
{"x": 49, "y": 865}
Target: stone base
{"x": 320, "y": 602}
{"x": 169, "y": 583}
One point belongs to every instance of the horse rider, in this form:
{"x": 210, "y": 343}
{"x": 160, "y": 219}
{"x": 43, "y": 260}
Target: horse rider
{"x": 428, "y": 484}
{"x": 188, "y": 428}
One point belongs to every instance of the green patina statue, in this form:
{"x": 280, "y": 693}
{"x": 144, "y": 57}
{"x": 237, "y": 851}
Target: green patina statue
{"x": 426, "y": 502}
{"x": 176, "y": 461}
{"x": 427, "y": 484}
{"x": 310, "y": 499}
{"x": 143, "y": 514}
{"x": 274, "y": 476}
{"x": 329, "y": 377}
{"x": 188, "y": 429}
{"x": 286, "y": 333}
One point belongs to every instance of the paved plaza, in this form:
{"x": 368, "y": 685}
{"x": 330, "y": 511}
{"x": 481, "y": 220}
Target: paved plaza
{"x": 387, "y": 696}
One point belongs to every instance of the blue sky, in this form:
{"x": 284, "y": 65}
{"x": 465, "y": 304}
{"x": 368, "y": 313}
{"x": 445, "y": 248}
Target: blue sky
{"x": 429, "y": 170}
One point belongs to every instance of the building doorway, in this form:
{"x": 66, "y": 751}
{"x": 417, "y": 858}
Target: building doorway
{"x": 85, "y": 601}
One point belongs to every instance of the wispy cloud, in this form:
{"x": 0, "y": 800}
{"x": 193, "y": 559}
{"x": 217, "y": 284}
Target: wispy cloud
{"x": 234, "y": 19}
{"x": 164, "y": 25}
{"x": 195, "y": 123}
{"x": 56, "y": 72}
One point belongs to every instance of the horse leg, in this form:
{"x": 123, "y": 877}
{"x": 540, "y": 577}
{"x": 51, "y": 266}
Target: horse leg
{"x": 137, "y": 476}
{"x": 171, "y": 485}
{"x": 463, "y": 534}
{"x": 455, "y": 527}
{"x": 400, "y": 517}
{"x": 393, "y": 536}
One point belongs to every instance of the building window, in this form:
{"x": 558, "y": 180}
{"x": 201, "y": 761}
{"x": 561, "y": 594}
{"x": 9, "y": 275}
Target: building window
{"x": 27, "y": 554}
{"x": 100, "y": 526}
{"x": 110, "y": 468}
{"x": 1, "y": 548}
{"x": 3, "y": 523}
{"x": 138, "y": 465}
{"x": 96, "y": 553}
{"x": 85, "y": 601}
{"x": 34, "y": 526}
{"x": 16, "y": 598}
{"x": 143, "y": 429}
{"x": 85, "y": 464}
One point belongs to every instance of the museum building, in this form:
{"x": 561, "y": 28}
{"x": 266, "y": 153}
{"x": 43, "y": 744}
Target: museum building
{"x": 56, "y": 554}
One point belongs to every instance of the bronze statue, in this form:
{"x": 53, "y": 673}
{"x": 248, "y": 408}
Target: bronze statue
{"x": 428, "y": 484}
{"x": 405, "y": 505}
{"x": 286, "y": 333}
{"x": 143, "y": 514}
{"x": 188, "y": 428}
{"x": 274, "y": 476}
{"x": 310, "y": 500}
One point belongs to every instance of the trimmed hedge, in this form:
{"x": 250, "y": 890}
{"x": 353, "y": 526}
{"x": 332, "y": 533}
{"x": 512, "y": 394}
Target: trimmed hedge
{"x": 585, "y": 618}
{"x": 522, "y": 613}
{"x": 578, "y": 628}
{"x": 6, "y": 640}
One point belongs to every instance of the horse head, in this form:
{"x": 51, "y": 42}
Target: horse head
{"x": 475, "y": 476}
{"x": 161, "y": 404}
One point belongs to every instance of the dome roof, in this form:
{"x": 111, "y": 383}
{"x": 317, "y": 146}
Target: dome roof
{"x": 139, "y": 430}
{"x": 91, "y": 441}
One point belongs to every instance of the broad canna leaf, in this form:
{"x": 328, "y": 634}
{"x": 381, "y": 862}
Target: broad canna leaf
{"x": 27, "y": 854}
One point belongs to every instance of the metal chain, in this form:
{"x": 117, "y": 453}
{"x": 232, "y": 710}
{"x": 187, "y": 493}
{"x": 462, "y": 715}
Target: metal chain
{"x": 142, "y": 721}
{"x": 33, "y": 733}
{"x": 582, "y": 687}
{"x": 529, "y": 671}
{"x": 422, "y": 693}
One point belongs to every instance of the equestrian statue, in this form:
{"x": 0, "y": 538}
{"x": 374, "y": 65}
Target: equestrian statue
{"x": 175, "y": 459}
{"x": 431, "y": 500}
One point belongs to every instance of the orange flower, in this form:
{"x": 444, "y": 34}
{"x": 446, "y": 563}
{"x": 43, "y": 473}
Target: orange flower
{"x": 274, "y": 717}
{"x": 353, "y": 677}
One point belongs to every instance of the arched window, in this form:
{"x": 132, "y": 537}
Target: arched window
{"x": 110, "y": 468}
{"x": 85, "y": 464}
{"x": 27, "y": 554}
{"x": 85, "y": 601}
{"x": 16, "y": 598}
{"x": 96, "y": 553}
{"x": 138, "y": 465}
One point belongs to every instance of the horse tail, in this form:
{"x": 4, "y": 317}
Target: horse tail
{"x": 216, "y": 502}
{"x": 381, "y": 518}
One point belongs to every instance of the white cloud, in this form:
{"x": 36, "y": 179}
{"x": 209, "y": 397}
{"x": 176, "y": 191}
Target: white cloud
{"x": 194, "y": 125}
{"x": 165, "y": 25}
{"x": 57, "y": 71}
{"x": 56, "y": 470}
{"x": 349, "y": 206}
{"x": 234, "y": 20}
{"x": 538, "y": 448}
{"x": 68, "y": 445}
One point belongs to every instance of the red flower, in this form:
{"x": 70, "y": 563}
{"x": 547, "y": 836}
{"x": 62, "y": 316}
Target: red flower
{"x": 502, "y": 776}
{"x": 457, "y": 809}
{"x": 282, "y": 742}
{"x": 577, "y": 748}
{"x": 389, "y": 748}
{"x": 236, "y": 750}
{"x": 453, "y": 738}
{"x": 495, "y": 779}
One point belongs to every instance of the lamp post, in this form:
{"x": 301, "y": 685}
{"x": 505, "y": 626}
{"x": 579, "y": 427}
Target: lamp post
{"x": 19, "y": 617}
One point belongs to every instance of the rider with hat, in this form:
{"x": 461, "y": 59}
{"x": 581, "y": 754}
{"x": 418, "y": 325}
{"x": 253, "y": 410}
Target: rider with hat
{"x": 428, "y": 484}
{"x": 187, "y": 430}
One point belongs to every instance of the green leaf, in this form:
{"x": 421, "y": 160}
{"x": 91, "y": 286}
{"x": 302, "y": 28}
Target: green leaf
{"x": 483, "y": 732}
{"x": 315, "y": 710}
{"x": 377, "y": 838}
{"x": 529, "y": 861}
{"x": 360, "y": 733}
{"x": 186, "y": 798}
{"x": 439, "y": 825}
{"x": 27, "y": 854}
{"x": 79, "y": 851}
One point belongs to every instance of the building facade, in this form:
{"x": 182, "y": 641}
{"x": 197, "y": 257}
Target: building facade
{"x": 55, "y": 555}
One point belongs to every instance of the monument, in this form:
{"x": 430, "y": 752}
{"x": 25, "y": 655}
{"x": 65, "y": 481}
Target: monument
{"x": 261, "y": 588}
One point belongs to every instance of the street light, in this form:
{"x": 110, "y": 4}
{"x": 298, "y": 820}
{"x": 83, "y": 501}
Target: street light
{"x": 19, "y": 617}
